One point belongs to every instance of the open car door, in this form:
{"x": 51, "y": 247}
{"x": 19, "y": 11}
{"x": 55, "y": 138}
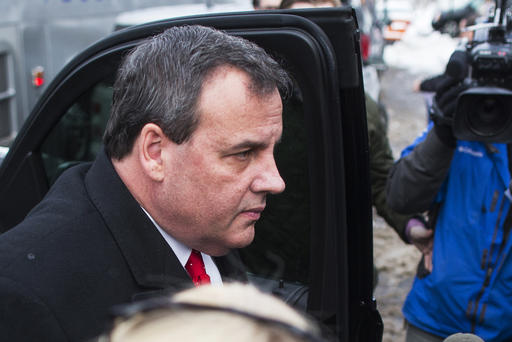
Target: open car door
{"x": 313, "y": 244}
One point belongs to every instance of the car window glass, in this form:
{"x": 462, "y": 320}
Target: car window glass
{"x": 279, "y": 256}
{"x": 281, "y": 248}
{"x": 77, "y": 137}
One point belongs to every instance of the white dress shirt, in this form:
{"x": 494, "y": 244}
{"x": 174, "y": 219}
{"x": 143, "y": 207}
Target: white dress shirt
{"x": 182, "y": 252}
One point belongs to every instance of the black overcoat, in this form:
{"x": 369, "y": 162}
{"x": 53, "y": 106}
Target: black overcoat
{"x": 87, "y": 246}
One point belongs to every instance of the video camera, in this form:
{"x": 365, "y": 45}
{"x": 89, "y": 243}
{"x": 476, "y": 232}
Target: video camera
{"x": 484, "y": 110}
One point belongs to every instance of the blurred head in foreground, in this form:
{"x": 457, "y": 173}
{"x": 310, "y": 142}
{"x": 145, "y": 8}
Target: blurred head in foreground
{"x": 233, "y": 312}
{"x": 460, "y": 337}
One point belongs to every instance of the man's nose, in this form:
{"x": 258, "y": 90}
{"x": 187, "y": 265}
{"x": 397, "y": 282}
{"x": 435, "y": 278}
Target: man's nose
{"x": 268, "y": 179}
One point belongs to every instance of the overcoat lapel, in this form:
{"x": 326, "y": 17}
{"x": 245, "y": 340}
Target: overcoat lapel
{"x": 151, "y": 261}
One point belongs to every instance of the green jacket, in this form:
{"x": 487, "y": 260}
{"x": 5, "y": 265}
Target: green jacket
{"x": 381, "y": 161}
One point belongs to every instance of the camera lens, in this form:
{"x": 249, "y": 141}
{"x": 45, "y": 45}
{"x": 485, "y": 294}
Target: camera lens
{"x": 488, "y": 116}
{"x": 484, "y": 114}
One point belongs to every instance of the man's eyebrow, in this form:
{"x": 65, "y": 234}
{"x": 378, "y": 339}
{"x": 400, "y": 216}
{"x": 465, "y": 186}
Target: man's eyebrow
{"x": 252, "y": 144}
{"x": 248, "y": 144}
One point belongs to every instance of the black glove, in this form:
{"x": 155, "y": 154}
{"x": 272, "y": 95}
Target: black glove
{"x": 444, "y": 103}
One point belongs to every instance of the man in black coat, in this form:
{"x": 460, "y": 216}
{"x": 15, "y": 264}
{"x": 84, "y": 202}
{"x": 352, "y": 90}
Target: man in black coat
{"x": 187, "y": 165}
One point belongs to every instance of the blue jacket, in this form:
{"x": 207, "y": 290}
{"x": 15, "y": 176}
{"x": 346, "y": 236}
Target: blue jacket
{"x": 470, "y": 287}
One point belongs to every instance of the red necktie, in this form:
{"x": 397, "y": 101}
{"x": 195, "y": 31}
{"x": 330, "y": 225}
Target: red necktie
{"x": 196, "y": 270}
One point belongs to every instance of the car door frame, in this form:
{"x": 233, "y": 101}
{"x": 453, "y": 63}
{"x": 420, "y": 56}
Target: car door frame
{"x": 338, "y": 170}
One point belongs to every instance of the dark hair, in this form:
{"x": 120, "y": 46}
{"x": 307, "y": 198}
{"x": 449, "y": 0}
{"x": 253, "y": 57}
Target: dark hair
{"x": 160, "y": 81}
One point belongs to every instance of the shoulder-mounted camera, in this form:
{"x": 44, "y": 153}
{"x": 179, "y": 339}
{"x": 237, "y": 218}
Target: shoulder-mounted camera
{"x": 484, "y": 110}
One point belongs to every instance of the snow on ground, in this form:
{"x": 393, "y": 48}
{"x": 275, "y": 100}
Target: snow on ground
{"x": 422, "y": 50}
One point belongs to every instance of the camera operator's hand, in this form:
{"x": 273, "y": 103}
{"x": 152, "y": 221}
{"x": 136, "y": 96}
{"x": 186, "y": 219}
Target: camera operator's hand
{"x": 448, "y": 89}
{"x": 423, "y": 238}
{"x": 443, "y": 108}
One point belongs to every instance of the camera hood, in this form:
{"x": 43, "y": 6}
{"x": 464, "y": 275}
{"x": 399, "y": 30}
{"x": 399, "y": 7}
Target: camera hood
{"x": 484, "y": 114}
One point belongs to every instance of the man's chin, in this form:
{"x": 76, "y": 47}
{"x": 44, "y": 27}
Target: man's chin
{"x": 241, "y": 240}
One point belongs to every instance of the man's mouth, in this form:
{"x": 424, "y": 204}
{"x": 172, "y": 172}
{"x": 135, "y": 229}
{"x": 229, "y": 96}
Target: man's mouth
{"x": 253, "y": 214}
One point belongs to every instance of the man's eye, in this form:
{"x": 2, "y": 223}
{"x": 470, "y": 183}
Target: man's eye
{"x": 243, "y": 155}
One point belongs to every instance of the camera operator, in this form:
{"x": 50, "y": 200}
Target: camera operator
{"x": 467, "y": 286}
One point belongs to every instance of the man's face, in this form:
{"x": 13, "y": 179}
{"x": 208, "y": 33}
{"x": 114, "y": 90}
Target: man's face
{"x": 218, "y": 180}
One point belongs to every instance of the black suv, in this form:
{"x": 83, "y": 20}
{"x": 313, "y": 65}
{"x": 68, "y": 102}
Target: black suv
{"x": 314, "y": 242}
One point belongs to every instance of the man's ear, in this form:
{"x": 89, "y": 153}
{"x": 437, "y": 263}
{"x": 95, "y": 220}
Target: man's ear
{"x": 152, "y": 142}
